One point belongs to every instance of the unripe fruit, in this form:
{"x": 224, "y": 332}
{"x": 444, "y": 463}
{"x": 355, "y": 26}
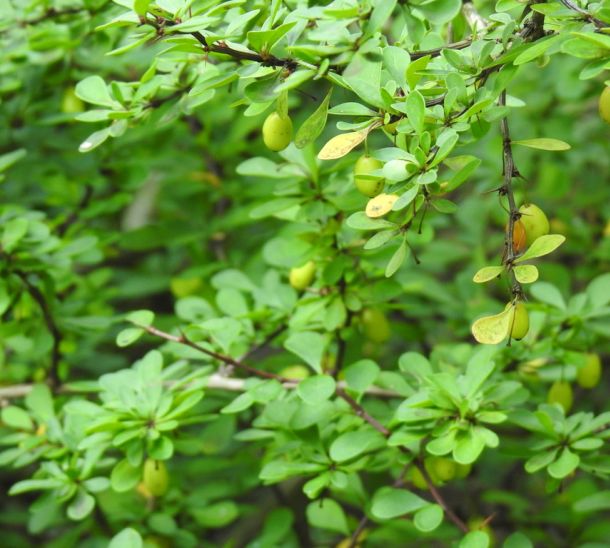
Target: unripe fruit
{"x": 589, "y": 374}
{"x": 462, "y": 470}
{"x": 301, "y": 277}
{"x": 441, "y": 469}
{"x": 519, "y": 237}
{"x": 155, "y": 477}
{"x": 417, "y": 478}
{"x": 277, "y": 132}
{"x": 561, "y": 393}
{"x": 296, "y": 372}
{"x": 534, "y": 221}
{"x": 521, "y": 321}
{"x": 375, "y": 325}
{"x": 70, "y": 103}
{"x": 604, "y": 105}
{"x": 368, "y": 186}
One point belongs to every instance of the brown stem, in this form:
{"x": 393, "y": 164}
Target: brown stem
{"x": 509, "y": 171}
{"x": 439, "y": 498}
{"x": 182, "y": 339}
{"x": 49, "y": 320}
{"x": 585, "y": 14}
{"x": 266, "y": 341}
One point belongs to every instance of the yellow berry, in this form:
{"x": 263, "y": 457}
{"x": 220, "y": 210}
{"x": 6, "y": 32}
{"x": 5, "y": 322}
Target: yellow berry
{"x": 375, "y": 325}
{"x": 155, "y": 477}
{"x": 534, "y": 221}
{"x": 561, "y": 393}
{"x": 301, "y": 277}
{"x": 589, "y": 374}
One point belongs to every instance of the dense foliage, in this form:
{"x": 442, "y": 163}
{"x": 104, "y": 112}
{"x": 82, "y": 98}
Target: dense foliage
{"x": 304, "y": 274}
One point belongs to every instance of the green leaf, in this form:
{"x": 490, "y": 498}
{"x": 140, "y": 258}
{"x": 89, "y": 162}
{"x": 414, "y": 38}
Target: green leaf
{"x": 15, "y": 417}
{"x": 264, "y": 40}
{"x": 40, "y": 402}
{"x": 216, "y": 515}
{"x": 548, "y": 293}
{"x": 124, "y": 476}
{"x": 598, "y": 291}
{"x": 352, "y": 444}
{"x": 487, "y": 273}
{"x": 94, "y": 90}
{"x": 81, "y": 506}
{"x": 239, "y": 404}
{"x": 309, "y": 346}
{"x": 543, "y": 144}
{"x": 416, "y": 109}
{"x": 127, "y": 538}
{"x": 26, "y": 486}
{"x": 129, "y": 336}
{"x": 316, "y": 389}
{"x": 327, "y": 514}
{"x": 143, "y": 318}
{"x": 363, "y": 75}
{"x": 94, "y": 140}
{"x": 538, "y": 48}
{"x": 406, "y": 198}
{"x": 397, "y": 60}
{"x": 14, "y": 230}
{"x": 360, "y": 221}
{"x": 542, "y": 246}
{"x": 397, "y": 259}
{"x": 428, "y": 518}
{"x": 361, "y": 375}
{"x": 468, "y": 448}
{"x": 564, "y": 465}
{"x": 10, "y": 158}
{"x": 314, "y": 125}
{"x": 389, "y": 502}
{"x": 595, "y": 502}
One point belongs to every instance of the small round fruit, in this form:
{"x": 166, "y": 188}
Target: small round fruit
{"x": 71, "y": 103}
{"x": 604, "y": 105}
{"x": 521, "y": 321}
{"x": 561, "y": 393}
{"x": 295, "y": 372}
{"x": 375, "y": 325}
{"x": 277, "y": 132}
{"x": 301, "y": 277}
{"x": 155, "y": 477}
{"x": 369, "y": 186}
{"x": 519, "y": 237}
{"x": 441, "y": 469}
{"x": 534, "y": 221}
{"x": 417, "y": 478}
{"x": 480, "y": 524}
{"x": 462, "y": 470}
{"x": 589, "y": 374}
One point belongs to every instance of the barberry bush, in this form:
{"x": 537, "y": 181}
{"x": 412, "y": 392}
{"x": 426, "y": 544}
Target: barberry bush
{"x": 296, "y": 273}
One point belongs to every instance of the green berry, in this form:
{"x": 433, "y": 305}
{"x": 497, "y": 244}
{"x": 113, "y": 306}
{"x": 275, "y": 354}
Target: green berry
{"x": 155, "y": 477}
{"x": 589, "y": 374}
{"x": 561, "y": 393}
{"x": 277, "y": 132}
{"x": 534, "y": 221}
{"x": 301, "y": 277}
{"x": 369, "y": 186}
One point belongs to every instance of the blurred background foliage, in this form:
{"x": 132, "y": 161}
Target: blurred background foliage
{"x": 147, "y": 220}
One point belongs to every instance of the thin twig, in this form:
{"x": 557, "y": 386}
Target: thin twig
{"x": 585, "y": 14}
{"x": 74, "y": 214}
{"x": 265, "y": 342}
{"x": 49, "y": 320}
{"x": 509, "y": 171}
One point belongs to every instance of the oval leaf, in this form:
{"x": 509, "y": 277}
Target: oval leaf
{"x": 493, "y": 329}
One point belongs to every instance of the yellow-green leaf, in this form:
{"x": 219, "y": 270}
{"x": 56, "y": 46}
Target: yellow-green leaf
{"x": 340, "y": 145}
{"x": 487, "y": 273}
{"x": 493, "y": 329}
{"x": 542, "y": 246}
{"x": 543, "y": 144}
{"x": 526, "y": 273}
